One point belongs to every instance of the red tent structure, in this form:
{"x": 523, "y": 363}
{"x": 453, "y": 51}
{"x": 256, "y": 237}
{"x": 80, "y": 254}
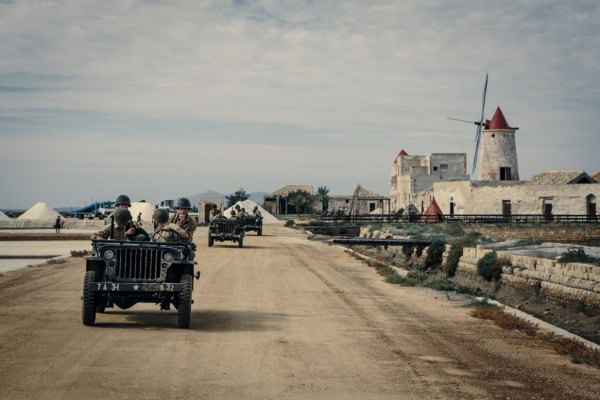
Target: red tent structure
{"x": 433, "y": 213}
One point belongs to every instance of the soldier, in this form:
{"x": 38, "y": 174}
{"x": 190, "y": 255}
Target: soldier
{"x": 256, "y": 212}
{"x": 241, "y": 213}
{"x": 122, "y": 231}
{"x": 165, "y": 231}
{"x": 215, "y": 213}
{"x": 183, "y": 219}
{"x": 123, "y": 201}
{"x": 233, "y": 216}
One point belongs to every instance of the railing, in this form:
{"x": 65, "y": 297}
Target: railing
{"x": 466, "y": 218}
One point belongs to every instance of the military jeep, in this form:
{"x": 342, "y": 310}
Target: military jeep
{"x": 252, "y": 223}
{"x": 222, "y": 229}
{"x": 124, "y": 273}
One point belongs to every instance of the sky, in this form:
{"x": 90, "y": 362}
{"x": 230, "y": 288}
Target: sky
{"x": 161, "y": 99}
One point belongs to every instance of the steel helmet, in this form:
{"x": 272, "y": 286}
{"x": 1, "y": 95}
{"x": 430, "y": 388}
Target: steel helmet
{"x": 184, "y": 203}
{"x": 123, "y": 216}
{"x": 161, "y": 215}
{"x": 122, "y": 199}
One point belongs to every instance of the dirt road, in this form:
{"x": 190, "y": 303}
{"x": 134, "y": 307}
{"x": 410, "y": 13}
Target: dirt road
{"x": 283, "y": 317}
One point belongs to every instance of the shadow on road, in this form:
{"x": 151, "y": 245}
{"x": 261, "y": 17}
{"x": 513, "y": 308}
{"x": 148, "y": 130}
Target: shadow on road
{"x": 202, "y": 320}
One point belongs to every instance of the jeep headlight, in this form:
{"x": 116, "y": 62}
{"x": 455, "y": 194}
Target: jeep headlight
{"x": 168, "y": 256}
{"x": 109, "y": 254}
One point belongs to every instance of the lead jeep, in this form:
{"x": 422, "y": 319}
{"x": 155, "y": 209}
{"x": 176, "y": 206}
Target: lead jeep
{"x": 124, "y": 273}
{"x": 222, "y": 229}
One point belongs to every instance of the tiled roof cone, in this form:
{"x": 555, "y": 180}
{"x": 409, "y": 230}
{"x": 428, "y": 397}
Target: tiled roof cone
{"x": 402, "y": 153}
{"x": 498, "y": 121}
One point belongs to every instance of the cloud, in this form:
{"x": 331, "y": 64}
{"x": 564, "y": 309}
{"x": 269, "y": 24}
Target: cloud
{"x": 364, "y": 78}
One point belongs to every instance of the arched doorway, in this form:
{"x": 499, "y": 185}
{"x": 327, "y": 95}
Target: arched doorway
{"x": 591, "y": 207}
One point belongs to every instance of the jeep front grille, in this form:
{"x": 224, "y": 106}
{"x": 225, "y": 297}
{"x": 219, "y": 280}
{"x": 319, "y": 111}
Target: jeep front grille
{"x": 224, "y": 227}
{"x": 138, "y": 264}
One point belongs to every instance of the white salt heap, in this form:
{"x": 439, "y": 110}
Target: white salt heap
{"x": 4, "y": 217}
{"x": 146, "y": 209}
{"x": 249, "y": 205}
{"x": 40, "y": 211}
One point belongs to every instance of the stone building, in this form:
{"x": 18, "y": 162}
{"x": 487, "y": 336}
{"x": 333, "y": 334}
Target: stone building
{"x": 366, "y": 201}
{"x": 415, "y": 174}
{"x": 205, "y": 205}
{"x": 498, "y": 189}
{"x": 276, "y": 202}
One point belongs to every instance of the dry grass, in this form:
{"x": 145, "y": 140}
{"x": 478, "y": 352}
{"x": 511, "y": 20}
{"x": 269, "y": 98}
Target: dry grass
{"x": 576, "y": 350}
{"x": 80, "y": 253}
{"x": 56, "y": 261}
{"x": 505, "y": 320}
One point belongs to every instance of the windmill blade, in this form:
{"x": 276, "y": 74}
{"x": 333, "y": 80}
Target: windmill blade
{"x": 477, "y": 139}
{"x": 479, "y": 128}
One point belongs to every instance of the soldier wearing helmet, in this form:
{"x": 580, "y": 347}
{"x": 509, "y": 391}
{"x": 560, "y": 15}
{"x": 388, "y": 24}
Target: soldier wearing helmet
{"x": 233, "y": 217}
{"x": 124, "y": 229}
{"x": 165, "y": 231}
{"x": 183, "y": 219}
{"x": 241, "y": 213}
{"x": 256, "y": 212}
{"x": 123, "y": 201}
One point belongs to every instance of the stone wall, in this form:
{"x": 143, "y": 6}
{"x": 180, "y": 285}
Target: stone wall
{"x": 486, "y": 198}
{"x": 68, "y": 223}
{"x": 557, "y": 233}
{"x": 571, "y": 282}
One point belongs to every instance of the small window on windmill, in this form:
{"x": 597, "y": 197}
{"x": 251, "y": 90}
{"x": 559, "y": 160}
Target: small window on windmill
{"x": 435, "y": 168}
{"x": 505, "y": 174}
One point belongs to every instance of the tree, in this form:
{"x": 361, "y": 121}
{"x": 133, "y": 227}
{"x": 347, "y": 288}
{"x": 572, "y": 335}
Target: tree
{"x": 233, "y": 198}
{"x": 300, "y": 199}
{"x": 323, "y": 196}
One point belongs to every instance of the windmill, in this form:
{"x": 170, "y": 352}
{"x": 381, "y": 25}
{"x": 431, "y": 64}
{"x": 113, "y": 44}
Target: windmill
{"x": 480, "y": 124}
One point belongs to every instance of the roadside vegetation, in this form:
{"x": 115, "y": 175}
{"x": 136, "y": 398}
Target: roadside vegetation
{"x": 578, "y": 255}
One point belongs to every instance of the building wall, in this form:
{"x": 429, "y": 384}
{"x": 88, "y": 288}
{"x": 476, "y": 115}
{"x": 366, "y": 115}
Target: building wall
{"x": 413, "y": 174}
{"x": 486, "y": 198}
{"x": 498, "y": 149}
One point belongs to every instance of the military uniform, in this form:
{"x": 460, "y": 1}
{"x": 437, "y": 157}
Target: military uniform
{"x": 214, "y": 214}
{"x": 162, "y": 236}
{"x": 241, "y": 214}
{"x": 188, "y": 224}
{"x": 257, "y": 214}
{"x": 119, "y": 233}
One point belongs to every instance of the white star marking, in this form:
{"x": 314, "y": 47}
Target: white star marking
{"x": 136, "y": 287}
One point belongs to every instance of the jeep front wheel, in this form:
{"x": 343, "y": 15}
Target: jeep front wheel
{"x": 184, "y": 310}
{"x": 211, "y": 240}
{"x": 88, "y": 308}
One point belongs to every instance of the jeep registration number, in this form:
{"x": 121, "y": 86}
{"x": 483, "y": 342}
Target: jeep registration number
{"x": 111, "y": 287}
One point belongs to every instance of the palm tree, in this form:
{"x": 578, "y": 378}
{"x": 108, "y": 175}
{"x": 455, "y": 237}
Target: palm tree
{"x": 323, "y": 196}
{"x": 300, "y": 199}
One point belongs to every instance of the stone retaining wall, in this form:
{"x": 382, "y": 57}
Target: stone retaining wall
{"x": 558, "y": 233}
{"x": 572, "y": 282}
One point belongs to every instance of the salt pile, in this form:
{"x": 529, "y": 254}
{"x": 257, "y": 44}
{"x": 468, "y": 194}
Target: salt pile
{"x": 4, "y": 217}
{"x": 249, "y": 205}
{"x": 40, "y": 211}
{"x": 378, "y": 210}
{"x": 146, "y": 209}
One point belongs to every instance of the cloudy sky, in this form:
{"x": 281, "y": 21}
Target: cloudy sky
{"x": 159, "y": 99}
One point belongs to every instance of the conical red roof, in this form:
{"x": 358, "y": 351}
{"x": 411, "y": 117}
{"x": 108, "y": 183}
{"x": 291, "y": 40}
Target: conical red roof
{"x": 498, "y": 121}
{"x": 402, "y": 153}
{"x": 433, "y": 213}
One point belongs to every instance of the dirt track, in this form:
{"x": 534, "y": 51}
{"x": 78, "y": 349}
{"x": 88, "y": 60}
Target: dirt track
{"x": 282, "y": 317}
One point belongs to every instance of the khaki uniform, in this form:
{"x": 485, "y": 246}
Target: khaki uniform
{"x": 214, "y": 214}
{"x": 241, "y": 214}
{"x": 188, "y": 224}
{"x": 257, "y": 214}
{"x": 120, "y": 233}
{"x": 168, "y": 236}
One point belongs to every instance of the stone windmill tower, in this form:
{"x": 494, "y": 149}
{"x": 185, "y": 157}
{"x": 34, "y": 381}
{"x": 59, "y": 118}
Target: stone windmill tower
{"x": 498, "y": 157}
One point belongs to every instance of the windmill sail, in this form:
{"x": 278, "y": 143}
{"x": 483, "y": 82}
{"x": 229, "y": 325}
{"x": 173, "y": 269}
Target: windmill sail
{"x": 479, "y": 126}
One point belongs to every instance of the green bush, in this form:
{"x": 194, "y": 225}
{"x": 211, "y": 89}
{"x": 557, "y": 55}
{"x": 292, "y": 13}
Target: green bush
{"x": 489, "y": 267}
{"x": 577, "y": 255}
{"x": 289, "y": 223}
{"x": 434, "y": 255}
{"x": 407, "y": 251}
{"x": 454, "y": 255}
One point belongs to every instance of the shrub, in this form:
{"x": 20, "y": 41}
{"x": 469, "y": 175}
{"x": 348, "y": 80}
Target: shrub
{"x": 454, "y": 255}
{"x": 407, "y": 251}
{"x": 80, "y": 253}
{"x": 488, "y": 267}
{"x": 577, "y": 255}
{"x": 505, "y": 320}
{"x": 434, "y": 255}
{"x": 454, "y": 229}
{"x": 289, "y": 223}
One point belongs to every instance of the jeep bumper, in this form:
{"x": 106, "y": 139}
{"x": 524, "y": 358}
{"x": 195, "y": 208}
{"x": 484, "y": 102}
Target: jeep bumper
{"x": 136, "y": 287}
